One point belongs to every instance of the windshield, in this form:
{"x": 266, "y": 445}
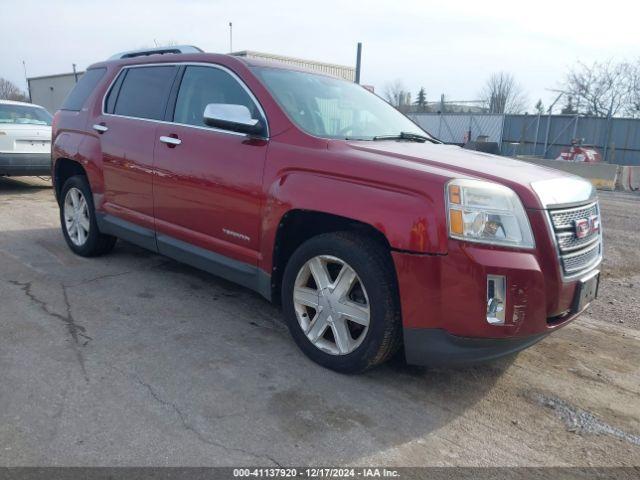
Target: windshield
{"x": 331, "y": 108}
{"x": 24, "y": 114}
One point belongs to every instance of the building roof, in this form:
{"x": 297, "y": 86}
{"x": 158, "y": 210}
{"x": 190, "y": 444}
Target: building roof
{"x": 42, "y": 77}
{"x": 285, "y": 59}
{"x": 248, "y": 57}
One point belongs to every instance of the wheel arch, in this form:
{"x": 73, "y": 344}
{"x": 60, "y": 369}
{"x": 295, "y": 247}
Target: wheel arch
{"x": 400, "y": 218}
{"x": 299, "y": 225}
{"x": 64, "y": 169}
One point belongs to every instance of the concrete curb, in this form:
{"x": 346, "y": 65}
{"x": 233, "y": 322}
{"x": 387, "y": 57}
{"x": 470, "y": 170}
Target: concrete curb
{"x": 603, "y": 176}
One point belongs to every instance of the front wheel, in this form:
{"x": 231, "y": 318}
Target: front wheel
{"x": 340, "y": 301}
{"x": 78, "y": 219}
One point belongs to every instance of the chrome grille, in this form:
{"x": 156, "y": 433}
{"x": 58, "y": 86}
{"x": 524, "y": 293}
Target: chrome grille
{"x": 565, "y": 218}
{"x": 567, "y": 241}
{"x": 581, "y": 260}
{"x": 577, "y": 255}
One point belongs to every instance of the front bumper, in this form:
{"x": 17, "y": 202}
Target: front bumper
{"x": 436, "y": 348}
{"x": 444, "y": 302}
{"x": 24, "y": 164}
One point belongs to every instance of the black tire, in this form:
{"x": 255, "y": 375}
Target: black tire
{"x": 374, "y": 266}
{"x": 96, "y": 243}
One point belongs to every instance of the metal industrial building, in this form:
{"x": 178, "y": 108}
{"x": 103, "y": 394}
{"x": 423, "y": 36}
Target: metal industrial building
{"x": 51, "y": 90}
{"x": 340, "y": 71}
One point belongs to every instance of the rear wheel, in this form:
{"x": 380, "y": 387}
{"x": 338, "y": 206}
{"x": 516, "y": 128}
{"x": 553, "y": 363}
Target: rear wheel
{"x": 340, "y": 302}
{"x": 78, "y": 219}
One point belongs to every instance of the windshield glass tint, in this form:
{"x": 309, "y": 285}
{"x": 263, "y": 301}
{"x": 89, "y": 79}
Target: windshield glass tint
{"x": 331, "y": 108}
{"x": 24, "y": 114}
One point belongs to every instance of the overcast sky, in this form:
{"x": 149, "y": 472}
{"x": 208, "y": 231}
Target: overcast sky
{"x": 447, "y": 47}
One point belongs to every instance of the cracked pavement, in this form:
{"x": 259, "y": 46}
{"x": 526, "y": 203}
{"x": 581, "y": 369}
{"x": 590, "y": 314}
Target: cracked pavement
{"x": 133, "y": 359}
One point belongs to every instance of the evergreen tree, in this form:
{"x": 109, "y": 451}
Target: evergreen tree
{"x": 421, "y": 101}
{"x": 569, "y": 109}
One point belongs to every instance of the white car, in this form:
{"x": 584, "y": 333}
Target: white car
{"x": 25, "y": 139}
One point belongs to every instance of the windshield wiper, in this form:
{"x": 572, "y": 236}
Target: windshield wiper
{"x": 414, "y": 137}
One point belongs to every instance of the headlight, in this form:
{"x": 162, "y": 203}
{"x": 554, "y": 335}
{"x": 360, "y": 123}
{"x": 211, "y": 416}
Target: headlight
{"x": 486, "y": 212}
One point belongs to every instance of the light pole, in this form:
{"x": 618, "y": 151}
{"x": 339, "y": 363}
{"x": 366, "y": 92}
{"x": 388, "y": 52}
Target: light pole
{"x": 358, "y": 61}
{"x": 24, "y": 65}
{"x": 230, "y": 37}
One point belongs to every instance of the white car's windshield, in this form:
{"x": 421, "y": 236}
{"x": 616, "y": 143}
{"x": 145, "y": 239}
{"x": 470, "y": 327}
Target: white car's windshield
{"x": 24, "y": 114}
{"x": 331, "y": 108}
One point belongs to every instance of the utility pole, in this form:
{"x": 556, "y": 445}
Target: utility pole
{"x": 75, "y": 73}
{"x": 358, "y": 61}
{"x": 230, "y": 37}
{"x": 24, "y": 66}
{"x": 546, "y": 136}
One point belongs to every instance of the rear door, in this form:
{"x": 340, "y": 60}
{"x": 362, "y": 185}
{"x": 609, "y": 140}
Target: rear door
{"x": 208, "y": 188}
{"x": 133, "y": 106}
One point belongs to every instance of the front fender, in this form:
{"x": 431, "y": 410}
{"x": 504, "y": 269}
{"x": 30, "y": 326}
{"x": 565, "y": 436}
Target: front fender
{"x": 410, "y": 221}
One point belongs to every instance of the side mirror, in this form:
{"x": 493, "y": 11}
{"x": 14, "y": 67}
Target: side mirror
{"x": 231, "y": 117}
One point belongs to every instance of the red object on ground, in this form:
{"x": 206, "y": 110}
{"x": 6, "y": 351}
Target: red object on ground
{"x": 580, "y": 153}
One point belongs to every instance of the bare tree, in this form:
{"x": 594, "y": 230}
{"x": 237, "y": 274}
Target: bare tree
{"x": 601, "y": 89}
{"x": 9, "y": 91}
{"x": 395, "y": 93}
{"x": 502, "y": 94}
{"x": 632, "y": 107}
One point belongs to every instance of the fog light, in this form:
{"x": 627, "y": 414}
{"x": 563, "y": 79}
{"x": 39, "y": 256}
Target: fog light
{"x": 496, "y": 299}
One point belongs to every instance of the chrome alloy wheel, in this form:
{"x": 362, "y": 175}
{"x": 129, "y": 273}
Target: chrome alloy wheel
{"x": 76, "y": 216}
{"x": 331, "y": 305}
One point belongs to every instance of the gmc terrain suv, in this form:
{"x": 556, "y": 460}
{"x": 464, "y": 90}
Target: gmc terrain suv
{"x": 320, "y": 196}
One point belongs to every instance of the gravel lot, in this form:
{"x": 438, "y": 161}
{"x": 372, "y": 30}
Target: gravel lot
{"x": 134, "y": 359}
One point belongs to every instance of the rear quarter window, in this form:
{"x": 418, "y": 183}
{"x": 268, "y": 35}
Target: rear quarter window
{"x": 87, "y": 83}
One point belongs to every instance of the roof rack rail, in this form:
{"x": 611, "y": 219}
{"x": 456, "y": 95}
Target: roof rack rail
{"x": 156, "y": 51}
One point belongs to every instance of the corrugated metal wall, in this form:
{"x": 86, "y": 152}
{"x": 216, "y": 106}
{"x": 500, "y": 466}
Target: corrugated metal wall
{"x": 617, "y": 139}
{"x": 455, "y": 127}
{"x": 49, "y": 92}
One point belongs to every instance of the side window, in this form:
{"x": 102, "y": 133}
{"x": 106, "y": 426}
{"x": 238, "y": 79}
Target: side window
{"x": 203, "y": 85}
{"x": 144, "y": 92}
{"x": 76, "y": 98}
{"x": 112, "y": 96}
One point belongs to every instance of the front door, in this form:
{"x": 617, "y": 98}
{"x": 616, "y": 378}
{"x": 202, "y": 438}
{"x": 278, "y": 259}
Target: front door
{"x": 207, "y": 186}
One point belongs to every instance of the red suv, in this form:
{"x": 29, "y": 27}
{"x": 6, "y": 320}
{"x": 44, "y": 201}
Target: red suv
{"x": 320, "y": 196}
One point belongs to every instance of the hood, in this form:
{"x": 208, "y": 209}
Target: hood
{"x": 515, "y": 174}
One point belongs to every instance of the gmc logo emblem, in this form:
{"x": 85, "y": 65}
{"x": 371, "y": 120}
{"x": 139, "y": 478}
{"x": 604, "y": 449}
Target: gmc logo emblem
{"x": 587, "y": 226}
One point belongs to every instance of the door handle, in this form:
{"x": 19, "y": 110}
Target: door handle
{"x": 171, "y": 141}
{"x": 100, "y": 128}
